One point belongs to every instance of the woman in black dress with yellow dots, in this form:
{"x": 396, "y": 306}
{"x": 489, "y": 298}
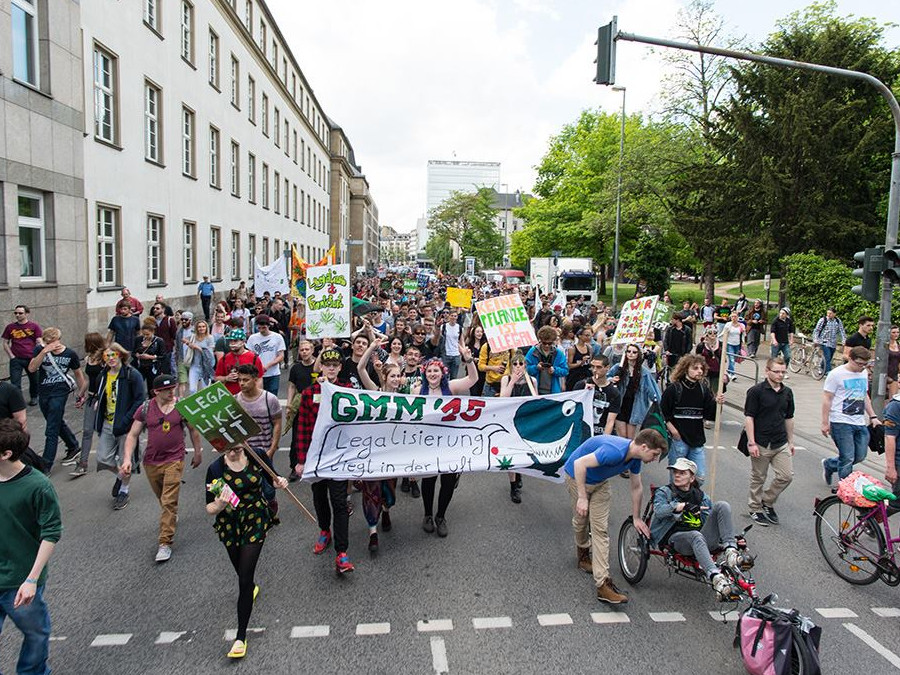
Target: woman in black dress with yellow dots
{"x": 241, "y": 528}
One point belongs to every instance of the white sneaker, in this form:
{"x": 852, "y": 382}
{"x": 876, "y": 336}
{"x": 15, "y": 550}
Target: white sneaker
{"x": 164, "y": 553}
{"x": 721, "y": 585}
{"x": 732, "y": 557}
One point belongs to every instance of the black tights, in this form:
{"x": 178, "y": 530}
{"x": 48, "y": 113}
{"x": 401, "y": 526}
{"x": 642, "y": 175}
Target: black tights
{"x": 244, "y": 559}
{"x": 448, "y": 485}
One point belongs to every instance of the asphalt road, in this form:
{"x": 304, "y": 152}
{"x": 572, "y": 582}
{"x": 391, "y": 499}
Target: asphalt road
{"x": 501, "y": 594}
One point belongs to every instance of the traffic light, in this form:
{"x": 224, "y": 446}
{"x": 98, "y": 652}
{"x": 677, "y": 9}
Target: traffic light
{"x": 892, "y": 265}
{"x": 606, "y": 53}
{"x": 870, "y": 272}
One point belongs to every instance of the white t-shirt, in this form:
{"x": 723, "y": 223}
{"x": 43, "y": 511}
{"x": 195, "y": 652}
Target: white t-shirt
{"x": 734, "y": 333}
{"x": 849, "y": 403}
{"x": 266, "y": 347}
{"x": 186, "y": 333}
{"x": 451, "y": 338}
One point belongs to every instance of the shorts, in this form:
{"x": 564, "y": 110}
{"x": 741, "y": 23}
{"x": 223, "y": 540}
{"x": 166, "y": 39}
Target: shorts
{"x": 110, "y": 449}
{"x": 183, "y": 373}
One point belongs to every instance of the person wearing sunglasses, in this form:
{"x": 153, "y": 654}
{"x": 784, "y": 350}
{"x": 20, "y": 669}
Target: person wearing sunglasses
{"x": 638, "y": 388}
{"x": 19, "y": 340}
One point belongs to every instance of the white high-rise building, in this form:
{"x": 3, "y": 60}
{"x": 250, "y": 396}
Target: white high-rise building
{"x": 446, "y": 176}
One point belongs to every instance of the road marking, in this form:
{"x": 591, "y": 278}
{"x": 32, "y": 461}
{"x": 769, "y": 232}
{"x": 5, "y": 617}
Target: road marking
{"x": 732, "y": 615}
{"x": 667, "y": 617}
{"x": 231, "y": 633}
{"x": 887, "y": 612}
{"x": 482, "y": 623}
{"x": 373, "y": 628}
{"x": 434, "y": 625}
{"x": 554, "y": 619}
{"x": 836, "y": 613}
{"x": 610, "y": 617}
{"x": 112, "y": 640}
{"x": 891, "y": 657}
{"x": 310, "y": 631}
{"x": 57, "y": 638}
{"x": 168, "y": 637}
{"x": 709, "y": 447}
{"x": 439, "y": 656}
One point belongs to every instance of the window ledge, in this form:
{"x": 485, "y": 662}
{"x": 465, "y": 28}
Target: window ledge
{"x": 189, "y": 62}
{"x": 216, "y": 87}
{"x": 215, "y": 187}
{"x": 158, "y": 284}
{"x": 108, "y": 289}
{"x": 187, "y": 175}
{"x": 155, "y": 162}
{"x": 154, "y": 31}
{"x": 33, "y": 88}
{"x": 37, "y": 283}
{"x": 109, "y": 144}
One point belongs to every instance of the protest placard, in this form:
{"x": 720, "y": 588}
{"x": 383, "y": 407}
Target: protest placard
{"x": 662, "y": 314}
{"x": 362, "y": 435}
{"x": 410, "y": 285}
{"x": 635, "y": 320}
{"x": 328, "y": 301}
{"x": 460, "y": 297}
{"x": 505, "y": 322}
{"x": 217, "y": 415}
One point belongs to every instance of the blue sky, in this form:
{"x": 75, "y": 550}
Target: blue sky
{"x": 488, "y": 80}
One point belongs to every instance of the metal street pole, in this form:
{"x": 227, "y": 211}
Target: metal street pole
{"x": 890, "y": 240}
{"x": 615, "y": 293}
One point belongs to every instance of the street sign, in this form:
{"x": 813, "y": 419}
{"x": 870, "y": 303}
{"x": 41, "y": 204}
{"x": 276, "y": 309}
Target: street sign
{"x": 217, "y": 415}
{"x": 767, "y": 281}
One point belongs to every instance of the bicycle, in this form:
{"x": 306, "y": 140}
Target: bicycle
{"x": 855, "y": 541}
{"x": 808, "y": 355}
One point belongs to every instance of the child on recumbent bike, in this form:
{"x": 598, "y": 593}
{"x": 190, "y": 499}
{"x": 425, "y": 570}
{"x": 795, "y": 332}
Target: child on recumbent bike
{"x": 688, "y": 521}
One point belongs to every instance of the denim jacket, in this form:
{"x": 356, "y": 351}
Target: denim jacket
{"x": 647, "y": 393}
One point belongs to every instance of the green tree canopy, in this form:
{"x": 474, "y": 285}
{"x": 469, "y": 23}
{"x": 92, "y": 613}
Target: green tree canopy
{"x": 467, "y": 220}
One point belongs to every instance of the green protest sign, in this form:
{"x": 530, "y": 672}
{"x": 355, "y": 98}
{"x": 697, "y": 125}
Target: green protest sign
{"x": 386, "y": 284}
{"x": 217, "y": 415}
{"x": 410, "y": 286}
{"x": 662, "y": 313}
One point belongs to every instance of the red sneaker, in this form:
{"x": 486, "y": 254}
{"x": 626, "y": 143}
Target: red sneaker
{"x": 342, "y": 563}
{"x": 322, "y": 542}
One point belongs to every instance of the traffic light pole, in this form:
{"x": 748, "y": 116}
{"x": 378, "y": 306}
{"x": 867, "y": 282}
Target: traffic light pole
{"x": 890, "y": 239}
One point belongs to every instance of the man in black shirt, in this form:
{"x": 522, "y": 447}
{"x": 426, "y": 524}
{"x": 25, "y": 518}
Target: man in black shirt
{"x": 12, "y": 404}
{"x": 769, "y": 423}
{"x": 783, "y": 335}
{"x": 607, "y": 399}
{"x": 677, "y": 341}
{"x": 861, "y": 338}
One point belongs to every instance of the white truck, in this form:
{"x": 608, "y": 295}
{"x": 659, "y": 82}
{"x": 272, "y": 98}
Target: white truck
{"x": 565, "y": 278}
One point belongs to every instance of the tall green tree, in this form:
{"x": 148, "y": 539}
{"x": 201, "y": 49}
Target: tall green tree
{"x": 467, "y": 219}
{"x": 440, "y": 252}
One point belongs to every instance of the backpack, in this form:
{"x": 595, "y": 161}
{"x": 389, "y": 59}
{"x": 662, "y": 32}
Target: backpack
{"x": 770, "y": 639}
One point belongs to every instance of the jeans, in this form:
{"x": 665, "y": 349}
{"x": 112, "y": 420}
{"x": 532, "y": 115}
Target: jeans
{"x": 270, "y": 384}
{"x": 733, "y": 351}
{"x": 33, "y": 620}
{"x": 696, "y": 455}
{"x": 165, "y": 481}
{"x": 852, "y": 441}
{"x": 716, "y": 532}
{"x": 53, "y": 408}
{"x": 753, "y": 336}
{"x": 784, "y": 350}
{"x": 782, "y": 464}
{"x": 195, "y": 378}
{"x": 828, "y": 354}
{"x": 599, "y": 498}
{"x": 16, "y": 367}
{"x": 490, "y": 390}
{"x": 331, "y": 496}
{"x": 452, "y": 363}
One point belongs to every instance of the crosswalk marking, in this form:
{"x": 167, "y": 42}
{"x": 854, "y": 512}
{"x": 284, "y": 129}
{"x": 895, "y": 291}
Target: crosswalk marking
{"x": 231, "y": 633}
{"x": 555, "y": 619}
{"x": 434, "y": 625}
{"x": 836, "y": 613}
{"x": 373, "y": 628}
{"x": 890, "y": 656}
{"x": 887, "y": 612}
{"x": 168, "y": 637}
{"x": 667, "y": 617}
{"x": 112, "y": 640}
{"x": 482, "y": 623}
{"x": 58, "y": 638}
{"x": 439, "y": 656}
{"x": 310, "y": 631}
{"x": 610, "y": 617}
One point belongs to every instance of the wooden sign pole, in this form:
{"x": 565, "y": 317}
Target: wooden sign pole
{"x": 273, "y": 476}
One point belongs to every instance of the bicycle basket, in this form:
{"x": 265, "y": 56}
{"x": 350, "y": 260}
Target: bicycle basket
{"x": 853, "y": 489}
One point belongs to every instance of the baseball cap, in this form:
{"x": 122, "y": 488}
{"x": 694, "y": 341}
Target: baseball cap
{"x": 187, "y": 315}
{"x": 164, "y": 382}
{"x": 330, "y": 354}
{"x": 236, "y": 334}
{"x": 684, "y": 464}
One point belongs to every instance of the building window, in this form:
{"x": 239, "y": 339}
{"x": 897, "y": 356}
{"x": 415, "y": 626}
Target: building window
{"x": 214, "y": 159}
{"x": 287, "y": 137}
{"x": 287, "y": 198}
{"x": 276, "y": 196}
{"x": 295, "y": 203}
{"x": 265, "y": 115}
{"x": 302, "y": 207}
{"x": 31, "y": 236}
{"x": 235, "y": 169}
{"x": 248, "y": 16}
{"x": 265, "y": 185}
{"x": 213, "y": 59}
{"x": 276, "y": 250}
{"x": 25, "y": 42}
{"x": 187, "y": 31}
{"x": 276, "y": 125}
{"x": 251, "y": 254}
{"x": 295, "y": 146}
{"x": 302, "y": 155}
{"x": 265, "y": 250}
{"x": 262, "y": 36}
{"x": 215, "y": 253}
{"x": 151, "y": 14}
{"x": 187, "y": 142}
{"x": 105, "y": 103}
{"x": 107, "y": 246}
{"x": 235, "y": 254}
{"x": 294, "y": 86}
{"x": 152, "y": 122}
{"x": 251, "y": 99}
{"x": 190, "y": 252}
{"x": 251, "y": 177}
{"x": 275, "y": 56}
{"x": 155, "y": 249}
{"x": 235, "y": 82}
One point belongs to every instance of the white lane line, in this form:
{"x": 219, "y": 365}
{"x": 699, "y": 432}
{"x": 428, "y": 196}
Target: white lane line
{"x": 667, "y": 617}
{"x": 373, "y": 628}
{"x": 733, "y": 615}
{"x": 887, "y": 612}
{"x": 610, "y": 617}
{"x": 434, "y": 625}
{"x": 231, "y": 633}
{"x": 486, "y": 622}
{"x": 57, "y": 638}
{"x": 310, "y": 631}
{"x": 112, "y": 640}
{"x": 891, "y": 657}
{"x": 167, "y": 637}
{"x": 836, "y": 613}
{"x": 554, "y": 619}
{"x": 439, "y": 656}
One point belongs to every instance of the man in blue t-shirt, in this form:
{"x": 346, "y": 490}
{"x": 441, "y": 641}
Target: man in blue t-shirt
{"x": 587, "y": 470}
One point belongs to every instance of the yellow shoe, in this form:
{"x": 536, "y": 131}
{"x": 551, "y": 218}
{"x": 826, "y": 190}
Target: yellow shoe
{"x": 238, "y": 650}
{"x": 255, "y": 592}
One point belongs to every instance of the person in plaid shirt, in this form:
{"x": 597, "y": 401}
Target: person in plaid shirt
{"x": 327, "y": 489}
{"x": 828, "y": 332}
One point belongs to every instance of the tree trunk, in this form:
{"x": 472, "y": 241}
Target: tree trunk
{"x": 603, "y": 279}
{"x": 709, "y": 280}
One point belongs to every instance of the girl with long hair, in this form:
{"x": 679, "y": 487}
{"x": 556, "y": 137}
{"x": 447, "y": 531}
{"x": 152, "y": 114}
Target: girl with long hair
{"x": 893, "y": 362}
{"x": 94, "y": 345}
{"x": 149, "y": 353}
{"x": 475, "y": 340}
{"x": 638, "y": 388}
{"x": 579, "y": 357}
{"x": 517, "y": 383}
{"x": 203, "y": 363}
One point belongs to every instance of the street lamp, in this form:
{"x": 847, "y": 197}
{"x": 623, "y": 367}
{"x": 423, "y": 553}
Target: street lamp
{"x": 615, "y": 293}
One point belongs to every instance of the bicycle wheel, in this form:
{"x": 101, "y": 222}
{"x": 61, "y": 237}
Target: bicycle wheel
{"x": 799, "y": 656}
{"x": 633, "y": 552}
{"x": 817, "y": 365}
{"x": 852, "y": 552}
{"x": 799, "y": 356}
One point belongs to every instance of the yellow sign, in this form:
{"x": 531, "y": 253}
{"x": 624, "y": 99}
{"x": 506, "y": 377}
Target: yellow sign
{"x": 460, "y": 297}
